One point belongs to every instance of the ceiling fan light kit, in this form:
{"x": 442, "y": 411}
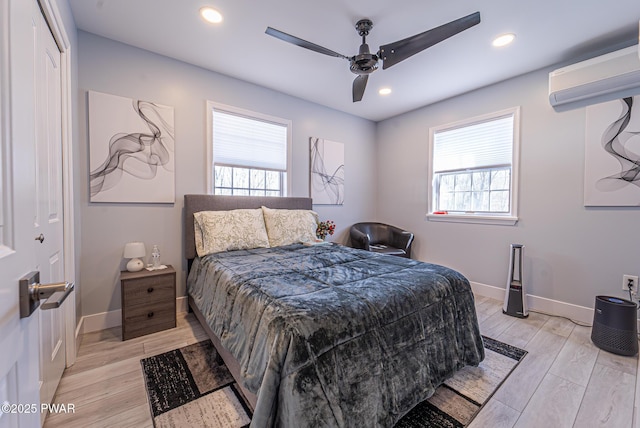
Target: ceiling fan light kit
{"x": 365, "y": 63}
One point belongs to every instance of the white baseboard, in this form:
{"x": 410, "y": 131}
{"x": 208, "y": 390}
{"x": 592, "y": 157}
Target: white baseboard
{"x": 105, "y": 320}
{"x": 101, "y": 321}
{"x": 79, "y": 331}
{"x": 581, "y": 314}
{"x": 182, "y": 304}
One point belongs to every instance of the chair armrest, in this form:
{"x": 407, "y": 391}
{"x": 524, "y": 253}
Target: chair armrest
{"x": 359, "y": 239}
{"x": 401, "y": 239}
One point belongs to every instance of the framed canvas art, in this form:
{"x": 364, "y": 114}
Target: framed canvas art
{"x": 131, "y": 150}
{"x": 612, "y": 153}
{"x": 327, "y": 172}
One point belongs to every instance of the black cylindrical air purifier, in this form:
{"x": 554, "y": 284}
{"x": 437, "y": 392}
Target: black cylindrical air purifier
{"x": 615, "y": 326}
{"x": 515, "y": 297}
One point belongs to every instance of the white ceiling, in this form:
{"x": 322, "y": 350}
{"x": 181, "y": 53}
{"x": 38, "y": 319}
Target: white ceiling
{"x": 547, "y": 32}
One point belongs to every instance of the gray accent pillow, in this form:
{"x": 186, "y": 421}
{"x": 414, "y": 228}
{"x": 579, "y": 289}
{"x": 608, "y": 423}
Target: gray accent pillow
{"x": 286, "y": 227}
{"x": 241, "y": 229}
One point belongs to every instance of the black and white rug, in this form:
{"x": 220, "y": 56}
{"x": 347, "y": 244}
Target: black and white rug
{"x": 192, "y": 387}
{"x": 459, "y": 399}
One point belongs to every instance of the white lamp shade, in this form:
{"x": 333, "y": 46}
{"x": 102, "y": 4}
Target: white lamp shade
{"x": 134, "y": 250}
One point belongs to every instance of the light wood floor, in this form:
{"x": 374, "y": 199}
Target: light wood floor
{"x": 564, "y": 381}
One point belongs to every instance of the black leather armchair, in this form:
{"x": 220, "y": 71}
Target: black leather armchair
{"x": 381, "y": 238}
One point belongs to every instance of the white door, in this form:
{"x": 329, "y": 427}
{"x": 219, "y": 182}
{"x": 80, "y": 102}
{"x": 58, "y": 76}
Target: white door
{"x": 20, "y": 216}
{"x": 49, "y": 221}
{"x": 19, "y": 355}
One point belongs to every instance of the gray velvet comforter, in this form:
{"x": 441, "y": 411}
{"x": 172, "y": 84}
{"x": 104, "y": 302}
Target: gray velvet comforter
{"x": 328, "y": 335}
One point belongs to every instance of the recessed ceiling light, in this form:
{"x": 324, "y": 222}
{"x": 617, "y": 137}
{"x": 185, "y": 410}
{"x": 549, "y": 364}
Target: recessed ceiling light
{"x": 384, "y": 91}
{"x": 209, "y": 14}
{"x": 503, "y": 39}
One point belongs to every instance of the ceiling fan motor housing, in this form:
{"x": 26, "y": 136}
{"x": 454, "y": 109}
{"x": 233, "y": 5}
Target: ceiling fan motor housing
{"x": 365, "y": 62}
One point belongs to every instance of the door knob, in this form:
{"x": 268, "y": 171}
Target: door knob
{"x": 40, "y": 238}
{"x": 31, "y": 292}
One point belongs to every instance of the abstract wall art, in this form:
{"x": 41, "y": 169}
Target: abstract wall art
{"x": 327, "y": 172}
{"x": 612, "y": 153}
{"x": 131, "y": 150}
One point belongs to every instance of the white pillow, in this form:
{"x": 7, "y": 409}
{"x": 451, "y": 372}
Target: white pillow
{"x": 217, "y": 231}
{"x": 285, "y": 227}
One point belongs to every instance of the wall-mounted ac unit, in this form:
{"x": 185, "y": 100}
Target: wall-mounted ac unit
{"x": 607, "y": 77}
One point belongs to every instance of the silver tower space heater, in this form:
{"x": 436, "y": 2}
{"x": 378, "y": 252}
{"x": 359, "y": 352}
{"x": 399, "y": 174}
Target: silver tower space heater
{"x": 515, "y": 297}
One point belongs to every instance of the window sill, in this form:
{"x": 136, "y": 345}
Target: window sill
{"x": 475, "y": 219}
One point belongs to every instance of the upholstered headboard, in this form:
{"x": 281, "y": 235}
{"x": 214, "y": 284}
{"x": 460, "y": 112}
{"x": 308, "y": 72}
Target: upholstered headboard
{"x": 196, "y": 203}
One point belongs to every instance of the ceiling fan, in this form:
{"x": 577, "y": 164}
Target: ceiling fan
{"x": 365, "y": 63}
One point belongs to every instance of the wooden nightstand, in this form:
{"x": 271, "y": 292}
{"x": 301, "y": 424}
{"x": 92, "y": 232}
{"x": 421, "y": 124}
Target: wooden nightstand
{"x": 148, "y": 301}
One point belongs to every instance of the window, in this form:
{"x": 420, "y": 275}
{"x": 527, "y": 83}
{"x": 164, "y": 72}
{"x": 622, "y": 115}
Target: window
{"x": 249, "y": 153}
{"x": 474, "y": 169}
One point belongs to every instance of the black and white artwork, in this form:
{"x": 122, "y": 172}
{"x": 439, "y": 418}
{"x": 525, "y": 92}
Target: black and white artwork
{"x": 612, "y": 153}
{"x": 327, "y": 172}
{"x": 131, "y": 150}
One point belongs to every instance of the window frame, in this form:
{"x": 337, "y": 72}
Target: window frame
{"x": 509, "y": 218}
{"x": 211, "y": 106}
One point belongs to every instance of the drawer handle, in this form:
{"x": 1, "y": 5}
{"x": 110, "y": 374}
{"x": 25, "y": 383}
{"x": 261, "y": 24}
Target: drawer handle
{"x": 150, "y": 290}
{"x": 150, "y": 315}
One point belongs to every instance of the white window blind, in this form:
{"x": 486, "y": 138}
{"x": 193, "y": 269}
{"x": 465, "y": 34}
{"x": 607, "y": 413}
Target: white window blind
{"x": 248, "y": 142}
{"x": 480, "y": 145}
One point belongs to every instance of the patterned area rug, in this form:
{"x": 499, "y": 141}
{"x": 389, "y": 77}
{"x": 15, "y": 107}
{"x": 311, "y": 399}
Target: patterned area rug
{"x": 192, "y": 387}
{"x": 459, "y": 399}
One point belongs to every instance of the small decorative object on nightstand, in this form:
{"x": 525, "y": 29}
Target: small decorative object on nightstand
{"x": 148, "y": 301}
{"x": 155, "y": 257}
{"x": 134, "y": 251}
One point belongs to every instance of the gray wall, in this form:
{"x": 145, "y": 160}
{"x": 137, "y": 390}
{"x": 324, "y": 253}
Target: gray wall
{"x": 115, "y": 68}
{"x": 572, "y": 253}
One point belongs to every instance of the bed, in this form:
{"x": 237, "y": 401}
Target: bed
{"x": 327, "y": 335}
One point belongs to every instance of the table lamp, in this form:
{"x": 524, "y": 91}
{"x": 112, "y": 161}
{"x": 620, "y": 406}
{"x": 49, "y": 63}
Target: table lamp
{"x": 134, "y": 251}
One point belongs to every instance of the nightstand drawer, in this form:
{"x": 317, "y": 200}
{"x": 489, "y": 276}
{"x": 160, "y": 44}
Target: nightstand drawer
{"x": 148, "y": 302}
{"x": 149, "y": 290}
{"x": 146, "y": 319}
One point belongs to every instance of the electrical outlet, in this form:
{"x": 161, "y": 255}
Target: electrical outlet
{"x": 630, "y": 280}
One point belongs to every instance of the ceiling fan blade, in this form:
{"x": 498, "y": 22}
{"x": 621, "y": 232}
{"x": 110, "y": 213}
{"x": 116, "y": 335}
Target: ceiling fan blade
{"x": 359, "y": 85}
{"x": 302, "y": 43}
{"x": 393, "y": 53}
